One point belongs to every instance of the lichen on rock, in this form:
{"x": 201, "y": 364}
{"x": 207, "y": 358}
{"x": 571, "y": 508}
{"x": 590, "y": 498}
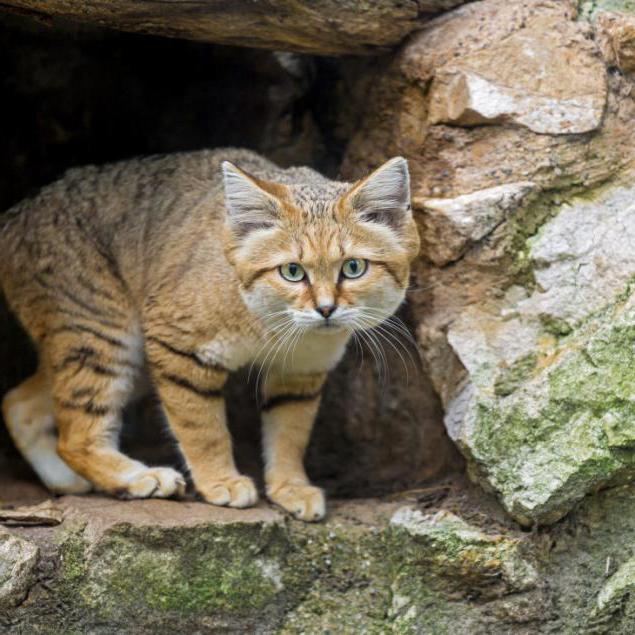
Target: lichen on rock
{"x": 545, "y": 415}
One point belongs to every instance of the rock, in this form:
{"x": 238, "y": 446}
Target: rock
{"x": 374, "y": 566}
{"x": 451, "y": 226}
{"x": 18, "y": 560}
{"x": 532, "y": 79}
{"x": 455, "y": 549}
{"x": 546, "y": 415}
{"x": 614, "y": 600}
{"x": 323, "y": 27}
{"x": 522, "y": 315}
{"x": 157, "y": 566}
{"x": 509, "y": 65}
{"x": 616, "y": 36}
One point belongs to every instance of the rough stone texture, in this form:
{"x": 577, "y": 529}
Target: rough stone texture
{"x": 453, "y": 160}
{"x": 616, "y": 37}
{"x": 373, "y": 567}
{"x": 18, "y": 558}
{"x": 450, "y": 226}
{"x": 454, "y": 549}
{"x": 327, "y": 27}
{"x": 525, "y": 325}
{"x": 531, "y": 78}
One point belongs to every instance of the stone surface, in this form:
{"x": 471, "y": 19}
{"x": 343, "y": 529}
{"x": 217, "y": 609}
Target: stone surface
{"x": 18, "y": 559}
{"x": 374, "y": 566}
{"x": 492, "y": 40}
{"x": 455, "y": 549}
{"x": 325, "y": 27}
{"x": 525, "y": 325}
{"x": 451, "y": 226}
{"x": 530, "y": 79}
{"x": 545, "y": 416}
{"x": 614, "y": 600}
{"x": 616, "y": 36}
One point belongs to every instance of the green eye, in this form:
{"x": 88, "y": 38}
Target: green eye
{"x": 292, "y": 272}
{"x": 354, "y": 268}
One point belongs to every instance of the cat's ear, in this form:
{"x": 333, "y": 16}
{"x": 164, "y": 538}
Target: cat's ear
{"x": 384, "y": 196}
{"x": 251, "y": 203}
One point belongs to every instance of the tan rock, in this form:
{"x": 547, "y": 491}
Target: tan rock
{"x": 316, "y": 26}
{"x": 616, "y": 37}
{"x": 488, "y": 46}
{"x": 538, "y": 78}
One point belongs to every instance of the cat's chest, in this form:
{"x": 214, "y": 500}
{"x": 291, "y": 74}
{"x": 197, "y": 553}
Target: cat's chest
{"x": 307, "y": 354}
{"x": 231, "y": 351}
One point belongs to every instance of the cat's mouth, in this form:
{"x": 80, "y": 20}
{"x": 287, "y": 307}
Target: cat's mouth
{"x": 328, "y": 326}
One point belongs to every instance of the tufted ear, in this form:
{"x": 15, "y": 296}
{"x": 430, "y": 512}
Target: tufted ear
{"x": 384, "y": 196}
{"x": 251, "y": 203}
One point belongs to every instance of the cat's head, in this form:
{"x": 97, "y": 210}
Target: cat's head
{"x": 320, "y": 254}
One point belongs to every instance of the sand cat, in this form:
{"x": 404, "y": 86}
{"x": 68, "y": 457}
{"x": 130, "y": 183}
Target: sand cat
{"x": 185, "y": 268}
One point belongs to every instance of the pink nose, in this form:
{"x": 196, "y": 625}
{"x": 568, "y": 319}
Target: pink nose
{"x": 326, "y": 310}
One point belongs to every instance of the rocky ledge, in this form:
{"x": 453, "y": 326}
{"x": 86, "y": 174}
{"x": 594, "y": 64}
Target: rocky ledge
{"x": 375, "y": 566}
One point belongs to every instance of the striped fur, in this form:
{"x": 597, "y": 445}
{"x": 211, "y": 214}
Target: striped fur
{"x": 157, "y": 267}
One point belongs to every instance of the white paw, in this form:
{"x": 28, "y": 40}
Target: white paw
{"x": 305, "y": 502}
{"x": 155, "y": 482}
{"x": 236, "y": 491}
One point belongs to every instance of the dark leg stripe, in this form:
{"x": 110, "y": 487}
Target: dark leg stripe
{"x": 89, "y": 408}
{"x": 80, "y": 328}
{"x": 78, "y": 393}
{"x": 84, "y": 357}
{"x": 84, "y": 316}
{"x": 282, "y": 400}
{"x": 187, "y": 354}
{"x": 208, "y": 393}
{"x": 87, "y": 284}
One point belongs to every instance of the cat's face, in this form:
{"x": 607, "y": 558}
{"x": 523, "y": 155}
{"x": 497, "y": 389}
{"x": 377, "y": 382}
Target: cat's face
{"x": 326, "y": 256}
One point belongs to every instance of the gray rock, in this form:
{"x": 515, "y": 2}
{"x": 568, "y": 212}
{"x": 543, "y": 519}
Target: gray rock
{"x": 546, "y": 413}
{"x": 18, "y": 559}
{"x": 453, "y": 225}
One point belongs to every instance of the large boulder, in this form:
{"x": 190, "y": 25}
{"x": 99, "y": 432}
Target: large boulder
{"x": 521, "y": 143}
{"x": 323, "y": 26}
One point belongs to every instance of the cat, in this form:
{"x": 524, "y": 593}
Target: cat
{"x": 184, "y": 268}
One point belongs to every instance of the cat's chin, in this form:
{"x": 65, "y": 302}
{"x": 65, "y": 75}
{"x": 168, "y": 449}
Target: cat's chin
{"x": 329, "y": 328}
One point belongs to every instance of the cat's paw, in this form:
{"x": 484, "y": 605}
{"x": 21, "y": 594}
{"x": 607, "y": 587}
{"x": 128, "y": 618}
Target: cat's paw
{"x": 305, "y": 502}
{"x": 155, "y": 482}
{"x": 235, "y": 491}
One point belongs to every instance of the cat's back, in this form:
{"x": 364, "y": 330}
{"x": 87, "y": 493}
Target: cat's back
{"x": 115, "y": 206}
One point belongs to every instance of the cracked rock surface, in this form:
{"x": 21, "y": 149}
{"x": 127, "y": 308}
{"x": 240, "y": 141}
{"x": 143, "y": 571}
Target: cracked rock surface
{"x": 375, "y": 566}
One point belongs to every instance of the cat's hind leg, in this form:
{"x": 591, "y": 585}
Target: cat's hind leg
{"x": 28, "y": 414}
{"x": 94, "y": 371}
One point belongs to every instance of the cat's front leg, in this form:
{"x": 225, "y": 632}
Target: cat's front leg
{"x": 190, "y": 392}
{"x": 288, "y": 412}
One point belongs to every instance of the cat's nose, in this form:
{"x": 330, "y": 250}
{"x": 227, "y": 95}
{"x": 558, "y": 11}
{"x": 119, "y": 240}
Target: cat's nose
{"x": 326, "y": 310}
